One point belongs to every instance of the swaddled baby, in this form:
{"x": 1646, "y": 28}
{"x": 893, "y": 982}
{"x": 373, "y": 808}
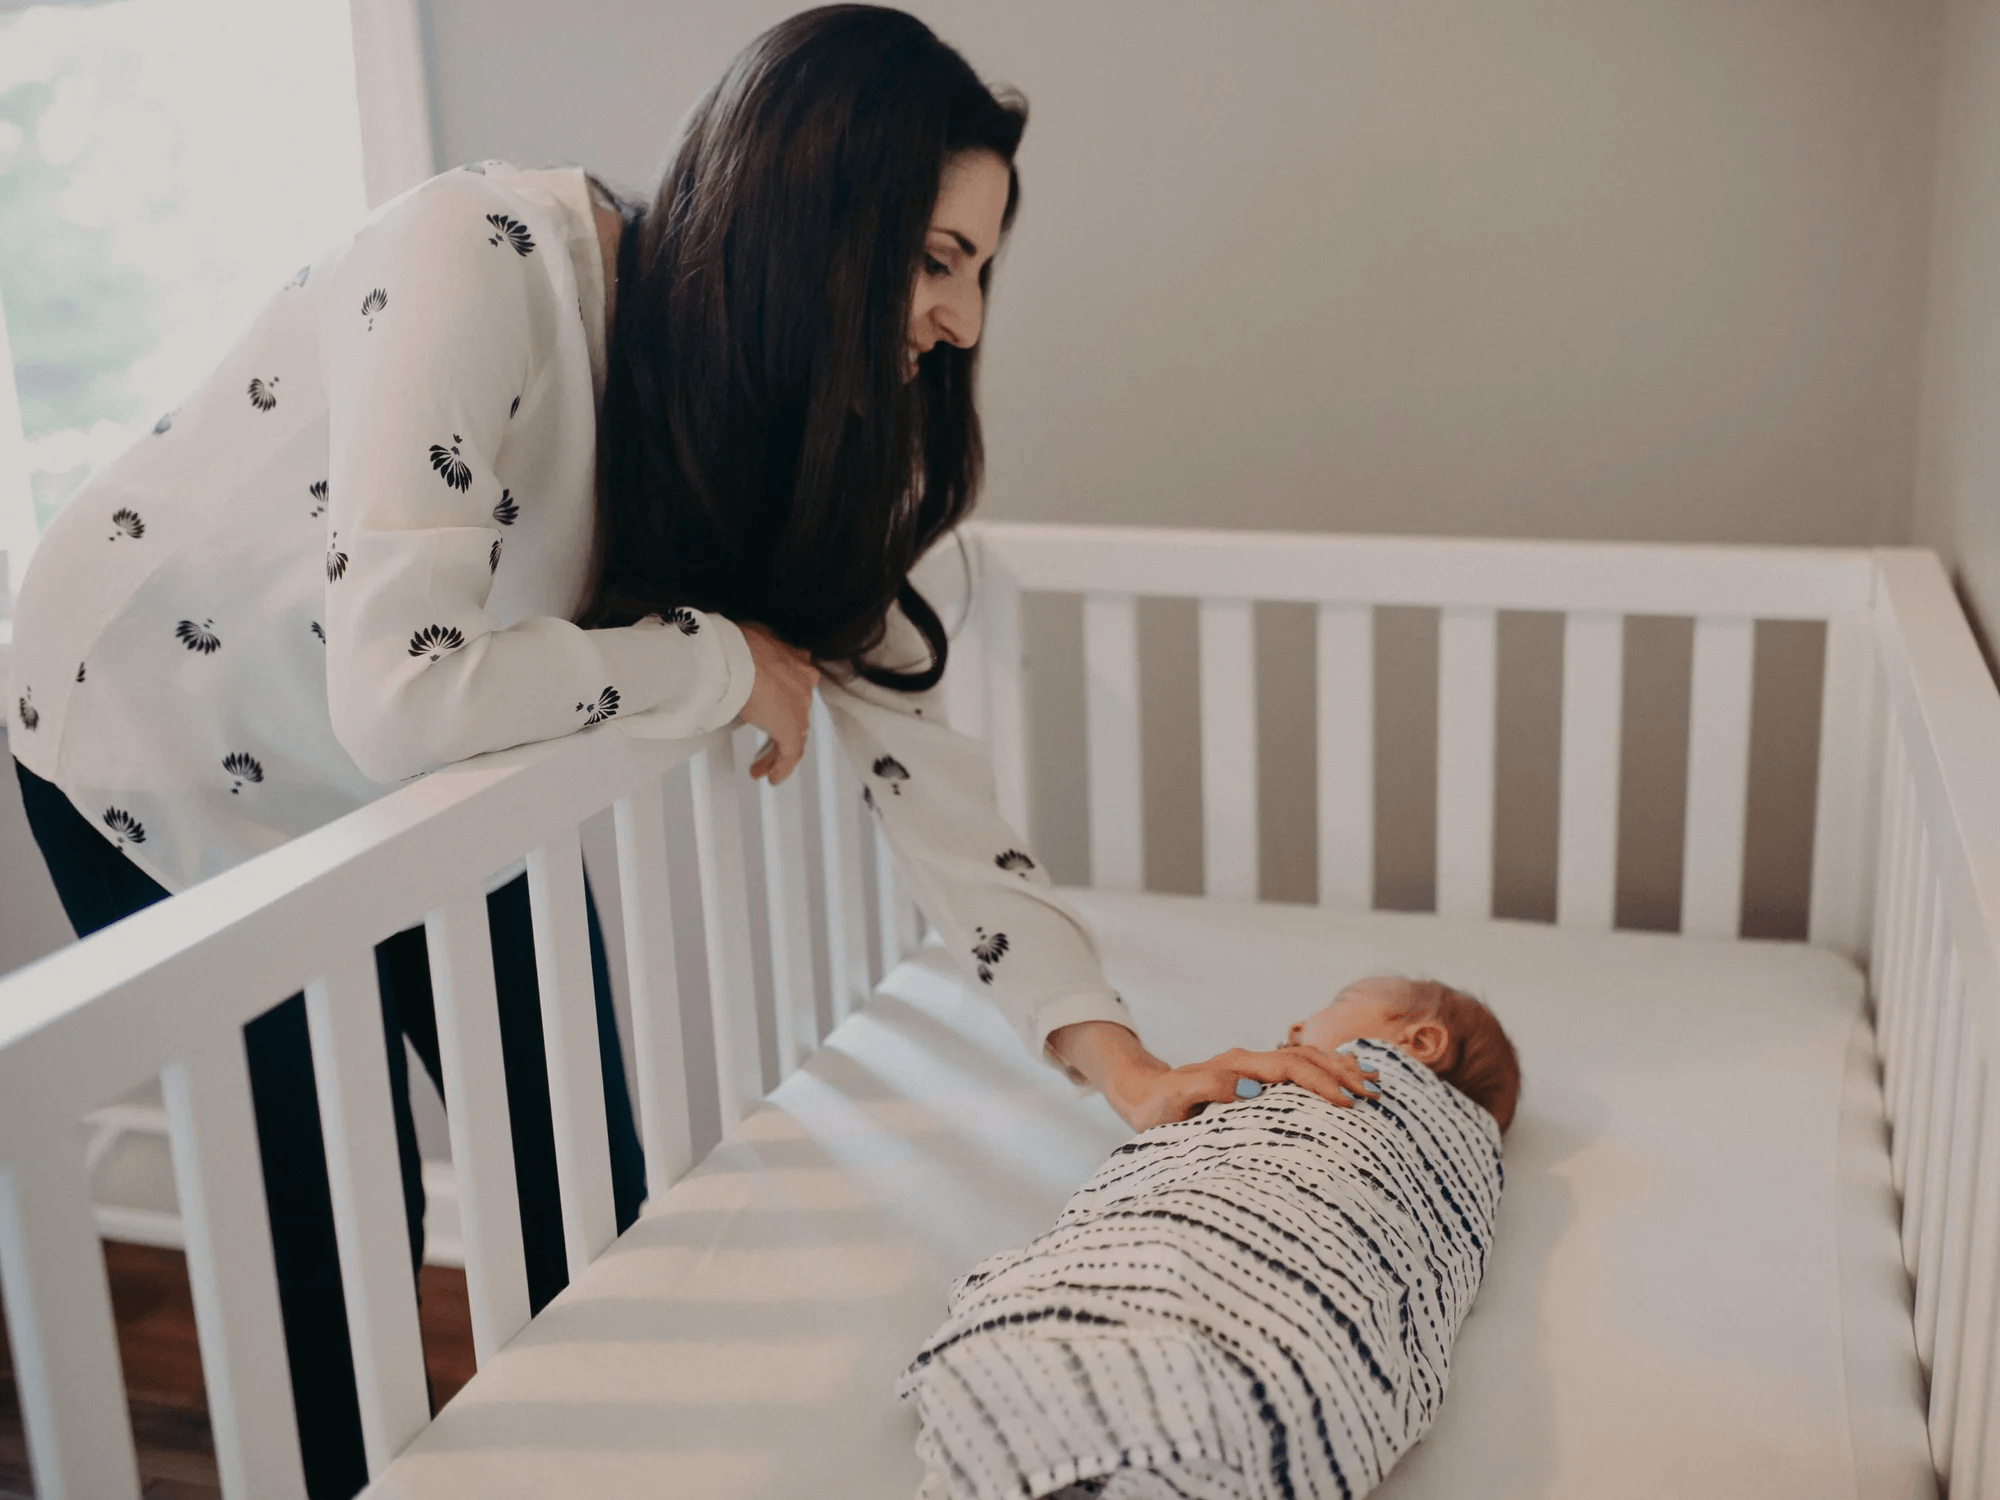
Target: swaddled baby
{"x": 1258, "y": 1302}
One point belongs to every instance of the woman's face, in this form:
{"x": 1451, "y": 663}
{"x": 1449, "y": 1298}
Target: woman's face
{"x": 949, "y": 300}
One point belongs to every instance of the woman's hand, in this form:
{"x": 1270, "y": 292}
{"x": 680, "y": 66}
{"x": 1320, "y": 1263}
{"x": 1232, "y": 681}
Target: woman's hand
{"x": 1146, "y": 1092}
{"x": 780, "y": 701}
{"x": 1171, "y": 1094}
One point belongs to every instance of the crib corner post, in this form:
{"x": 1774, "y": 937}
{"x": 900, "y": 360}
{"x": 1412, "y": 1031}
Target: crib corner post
{"x": 1852, "y": 726}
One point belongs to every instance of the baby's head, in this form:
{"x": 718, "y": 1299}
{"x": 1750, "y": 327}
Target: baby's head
{"x": 1446, "y": 1030}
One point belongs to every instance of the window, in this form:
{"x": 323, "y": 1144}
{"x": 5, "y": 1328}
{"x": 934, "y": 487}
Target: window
{"x": 165, "y": 166}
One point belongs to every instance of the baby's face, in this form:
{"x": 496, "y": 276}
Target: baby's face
{"x": 1373, "y": 1008}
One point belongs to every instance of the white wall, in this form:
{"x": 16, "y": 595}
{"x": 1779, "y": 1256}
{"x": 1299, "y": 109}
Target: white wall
{"x": 1652, "y": 270}
{"x": 1958, "y": 476}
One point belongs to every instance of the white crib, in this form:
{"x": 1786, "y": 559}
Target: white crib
{"x": 636, "y": 1380}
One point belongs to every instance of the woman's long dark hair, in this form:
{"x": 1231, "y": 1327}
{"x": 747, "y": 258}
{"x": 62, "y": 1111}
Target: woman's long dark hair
{"x": 762, "y": 451}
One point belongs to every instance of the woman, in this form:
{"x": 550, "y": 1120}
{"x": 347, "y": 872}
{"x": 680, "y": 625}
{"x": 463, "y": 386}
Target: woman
{"x": 520, "y": 458}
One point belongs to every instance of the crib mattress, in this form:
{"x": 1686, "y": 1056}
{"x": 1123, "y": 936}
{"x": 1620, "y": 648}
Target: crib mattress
{"x": 1695, "y": 1286}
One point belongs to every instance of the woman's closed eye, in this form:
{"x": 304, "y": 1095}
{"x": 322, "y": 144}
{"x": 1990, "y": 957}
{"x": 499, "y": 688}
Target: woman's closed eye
{"x": 935, "y": 267}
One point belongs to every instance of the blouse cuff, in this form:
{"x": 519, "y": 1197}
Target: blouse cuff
{"x": 1093, "y": 1005}
{"x": 724, "y": 686}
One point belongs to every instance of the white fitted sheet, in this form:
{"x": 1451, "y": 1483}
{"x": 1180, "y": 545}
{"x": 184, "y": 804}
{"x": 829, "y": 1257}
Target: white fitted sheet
{"x": 1695, "y": 1287}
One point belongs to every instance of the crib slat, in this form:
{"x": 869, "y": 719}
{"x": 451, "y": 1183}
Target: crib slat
{"x": 725, "y": 917}
{"x": 475, "y": 1096}
{"x": 1970, "y": 1449}
{"x": 1918, "y": 1039}
{"x": 58, "y": 1302}
{"x": 1346, "y": 713}
{"x": 1888, "y": 813}
{"x": 1850, "y": 738}
{"x": 1924, "y": 1207}
{"x": 1893, "y": 905}
{"x": 646, "y": 896}
{"x": 1957, "y": 1300}
{"x": 344, "y": 1018}
{"x": 1913, "y": 996}
{"x": 569, "y": 1033}
{"x": 1903, "y": 1002}
{"x": 1467, "y": 642}
{"x": 840, "y": 815}
{"x": 1111, "y": 727}
{"x": 1592, "y": 711}
{"x": 1228, "y": 749}
{"x": 219, "y": 1185}
{"x": 1006, "y": 698}
{"x": 785, "y": 898}
{"x": 1718, "y": 777}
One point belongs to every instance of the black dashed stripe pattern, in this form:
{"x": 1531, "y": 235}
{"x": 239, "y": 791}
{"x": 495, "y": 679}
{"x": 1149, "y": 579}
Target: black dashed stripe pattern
{"x": 1253, "y": 1304}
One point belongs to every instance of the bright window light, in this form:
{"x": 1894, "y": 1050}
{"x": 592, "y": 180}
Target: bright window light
{"x": 165, "y": 166}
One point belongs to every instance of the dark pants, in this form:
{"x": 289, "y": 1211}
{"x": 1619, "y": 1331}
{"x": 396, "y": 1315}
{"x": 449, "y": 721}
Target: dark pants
{"x": 98, "y": 885}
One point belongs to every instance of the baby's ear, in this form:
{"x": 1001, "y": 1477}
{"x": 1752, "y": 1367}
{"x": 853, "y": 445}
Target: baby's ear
{"x": 1426, "y": 1042}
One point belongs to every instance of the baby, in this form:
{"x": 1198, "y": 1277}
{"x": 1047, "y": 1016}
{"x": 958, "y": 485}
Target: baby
{"x": 1257, "y": 1302}
{"x": 1445, "y": 1029}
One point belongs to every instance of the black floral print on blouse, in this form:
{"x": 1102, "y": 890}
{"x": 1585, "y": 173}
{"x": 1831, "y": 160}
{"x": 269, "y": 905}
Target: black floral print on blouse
{"x": 319, "y": 489}
{"x": 79, "y": 671}
{"x": 371, "y": 304}
{"x": 336, "y": 561}
{"x": 456, "y": 471}
{"x": 505, "y": 510}
{"x": 1014, "y": 862}
{"x": 514, "y": 408}
{"x": 685, "y": 619}
{"x": 264, "y": 393}
{"x": 243, "y": 767}
{"x": 434, "y": 640}
{"x": 124, "y": 825}
{"x": 605, "y": 707}
{"x": 126, "y": 522}
{"x": 988, "y": 951}
{"x": 316, "y": 630}
{"x": 160, "y": 427}
{"x": 493, "y": 557}
{"x": 300, "y": 279}
{"x": 512, "y": 232}
{"x": 31, "y": 717}
{"x": 892, "y": 771}
{"x": 201, "y": 638}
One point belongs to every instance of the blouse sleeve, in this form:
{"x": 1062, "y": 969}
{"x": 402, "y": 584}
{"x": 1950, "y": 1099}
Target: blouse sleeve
{"x": 418, "y": 675}
{"x": 932, "y": 789}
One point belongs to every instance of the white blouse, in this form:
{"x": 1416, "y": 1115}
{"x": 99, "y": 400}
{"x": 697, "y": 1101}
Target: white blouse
{"x": 353, "y": 555}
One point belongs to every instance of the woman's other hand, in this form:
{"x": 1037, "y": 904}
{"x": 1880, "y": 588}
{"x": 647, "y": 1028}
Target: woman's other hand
{"x": 1334, "y": 1076}
{"x": 1146, "y": 1092}
{"x": 780, "y": 701}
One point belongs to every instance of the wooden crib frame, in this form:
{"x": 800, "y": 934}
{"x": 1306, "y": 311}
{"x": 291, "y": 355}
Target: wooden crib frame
{"x": 1905, "y": 879}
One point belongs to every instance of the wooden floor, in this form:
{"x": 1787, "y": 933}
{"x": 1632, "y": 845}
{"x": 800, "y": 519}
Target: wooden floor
{"x": 156, "y": 1338}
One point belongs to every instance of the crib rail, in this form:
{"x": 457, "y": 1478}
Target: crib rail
{"x": 1935, "y": 976}
{"x": 166, "y": 998}
{"x": 1906, "y": 800}
{"x": 1595, "y": 587}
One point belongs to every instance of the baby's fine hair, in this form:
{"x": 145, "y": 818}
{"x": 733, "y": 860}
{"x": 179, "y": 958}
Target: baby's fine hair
{"x": 1479, "y": 1059}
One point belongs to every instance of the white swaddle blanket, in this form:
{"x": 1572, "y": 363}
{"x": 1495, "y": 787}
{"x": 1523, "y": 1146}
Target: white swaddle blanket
{"x": 1256, "y": 1303}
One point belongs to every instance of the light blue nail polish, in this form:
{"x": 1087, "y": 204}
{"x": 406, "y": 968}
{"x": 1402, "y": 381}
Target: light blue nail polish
{"x": 1248, "y": 1088}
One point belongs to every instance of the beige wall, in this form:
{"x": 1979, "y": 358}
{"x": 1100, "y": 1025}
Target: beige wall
{"x": 1650, "y": 270}
{"x": 1958, "y": 472}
